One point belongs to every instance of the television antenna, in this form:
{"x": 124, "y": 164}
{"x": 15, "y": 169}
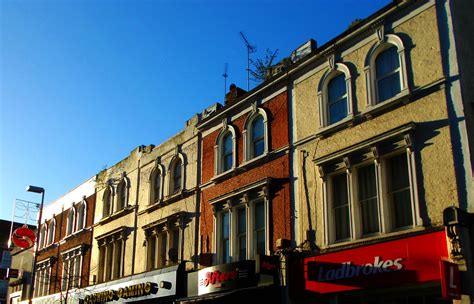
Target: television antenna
{"x": 250, "y": 49}
{"x": 225, "y": 75}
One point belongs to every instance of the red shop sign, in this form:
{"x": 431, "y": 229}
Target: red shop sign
{"x": 393, "y": 263}
{"x": 450, "y": 280}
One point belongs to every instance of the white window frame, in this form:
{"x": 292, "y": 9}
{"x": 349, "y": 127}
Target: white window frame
{"x": 323, "y": 94}
{"x": 233, "y": 230}
{"x": 247, "y": 134}
{"x": 109, "y": 201}
{"x": 42, "y": 278}
{"x": 43, "y": 236}
{"x": 384, "y": 214}
{"x": 157, "y": 170}
{"x": 384, "y": 43}
{"x": 218, "y": 150}
{"x": 178, "y": 157}
{"x": 70, "y": 226}
{"x": 83, "y": 206}
{"x": 71, "y": 258}
{"x": 51, "y": 232}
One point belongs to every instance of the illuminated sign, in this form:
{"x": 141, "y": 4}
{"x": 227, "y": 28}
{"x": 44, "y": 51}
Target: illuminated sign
{"x": 226, "y": 277}
{"x": 132, "y": 291}
{"x": 23, "y": 237}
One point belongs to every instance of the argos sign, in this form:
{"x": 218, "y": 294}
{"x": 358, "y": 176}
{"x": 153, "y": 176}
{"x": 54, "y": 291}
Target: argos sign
{"x": 391, "y": 263}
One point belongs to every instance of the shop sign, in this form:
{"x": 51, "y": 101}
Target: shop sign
{"x": 23, "y": 237}
{"x": 131, "y": 291}
{"x": 269, "y": 264}
{"x": 391, "y": 263}
{"x": 450, "y": 280}
{"x": 227, "y": 276}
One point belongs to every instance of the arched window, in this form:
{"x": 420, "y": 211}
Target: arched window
{"x": 225, "y": 150}
{"x": 122, "y": 195}
{"x": 256, "y": 134}
{"x": 335, "y": 95}
{"x": 386, "y": 71}
{"x": 337, "y": 99}
{"x": 42, "y": 236}
{"x": 107, "y": 199}
{"x": 70, "y": 221}
{"x": 51, "y": 229}
{"x": 156, "y": 184}
{"x": 81, "y": 216}
{"x": 176, "y": 176}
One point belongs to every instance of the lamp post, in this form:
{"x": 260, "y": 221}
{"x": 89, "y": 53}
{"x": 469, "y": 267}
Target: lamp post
{"x": 38, "y": 190}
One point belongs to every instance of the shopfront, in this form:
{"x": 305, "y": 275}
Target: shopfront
{"x": 158, "y": 286}
{"x": 237, "y": 282}
{"x": 409, "y": 270}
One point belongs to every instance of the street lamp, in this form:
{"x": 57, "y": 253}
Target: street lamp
{"x": 38, "y": 190}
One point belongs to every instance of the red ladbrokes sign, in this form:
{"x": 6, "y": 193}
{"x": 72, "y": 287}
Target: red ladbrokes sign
{"x": 386, "y": 264}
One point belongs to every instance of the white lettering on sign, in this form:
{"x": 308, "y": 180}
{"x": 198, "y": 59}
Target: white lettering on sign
{"x": 347, "y": 270}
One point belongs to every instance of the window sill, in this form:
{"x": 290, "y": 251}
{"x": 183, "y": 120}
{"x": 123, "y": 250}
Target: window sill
{"x": 386, "y": 105}
{"x": 224, "y": 175}
{"x": 116, "y": 215}
{"x": 254, "y": 161}
{"x": 375, "y": 238}
{"x": 333, "y": 128}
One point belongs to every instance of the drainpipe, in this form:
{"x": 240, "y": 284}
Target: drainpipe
{"x": 136, "y": 216}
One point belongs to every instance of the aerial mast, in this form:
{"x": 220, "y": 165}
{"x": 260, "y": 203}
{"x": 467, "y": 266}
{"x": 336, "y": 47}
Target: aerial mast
{"x": 225, "y": 75}
{"x": 250, "y": 49}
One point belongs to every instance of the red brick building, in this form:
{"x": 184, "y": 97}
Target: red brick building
{"x": 245, "y": 190}
{"x": 64, "y": 246}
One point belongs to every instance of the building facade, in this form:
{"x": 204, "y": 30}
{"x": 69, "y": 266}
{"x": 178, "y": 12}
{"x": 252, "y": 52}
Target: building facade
{"x": 345, "y": 177}
{"x": 64, "y": 246}
{"x": 145, "y": 222}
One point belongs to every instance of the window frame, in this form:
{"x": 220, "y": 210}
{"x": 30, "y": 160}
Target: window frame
{"x": 157, "y": 171}
{"x": 72, "y": 258}
{"x": 384, "y": 43}
{"x": 169, "y": 228}
{"x": 108, "y": 200}
{"x": 81, "y": 210}
{"x": 172, "y": 189}
{"x": 232, "y": 211}
{"x": 51, "y": 232}
{"x": 219, "y": 151}
{"x": 122, "y": 194}
{"x": 247, "y": 134}
{"x": 70, "y": 226}
{"x": 42, "y": 286}
{"x": 335, "y": 70}
{"x": 111, "y": 263}
{"x": 385, "y": 217}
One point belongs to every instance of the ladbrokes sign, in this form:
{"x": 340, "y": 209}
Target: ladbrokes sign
{"x": 384, "y": 264}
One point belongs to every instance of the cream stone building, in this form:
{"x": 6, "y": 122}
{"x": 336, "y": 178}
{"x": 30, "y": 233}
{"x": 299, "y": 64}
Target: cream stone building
{"x": 146, "y": 217}
{"x": 380, "y": 152}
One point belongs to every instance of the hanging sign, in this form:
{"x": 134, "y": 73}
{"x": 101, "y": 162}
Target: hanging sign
{"x": 23, "y": 237}
{"x": 450, "y": 280}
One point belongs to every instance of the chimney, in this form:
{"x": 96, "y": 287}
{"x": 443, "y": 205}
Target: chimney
{"x": 234, "y": 93}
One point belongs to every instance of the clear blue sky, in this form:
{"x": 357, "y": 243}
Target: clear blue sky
{"x": 82, "y": 82}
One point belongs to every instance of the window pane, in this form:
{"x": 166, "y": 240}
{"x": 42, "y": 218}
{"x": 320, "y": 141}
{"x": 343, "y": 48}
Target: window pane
{"x": 107, "y": 203}
{"x": 337, "y": 99}
{"x": 80, "y": 216}
{"x": 367, "y": 192}
{"x": 163, "y": 240}
{"x": 177, "y": 176}
{"x": 123, "y": 196}
{"x": 399, "y": 191}
{"x": 258, "y": 144}
{"x": 340, "y": 207}
{"x": 156, "y": 187}
{"x": 260, "y": 227}
{"x": 152, "y": 252}
{"x": 227, "y": 157}
{"x": 242, "y": 233}
{"x": 70, "y": 222}
{"x": 388, "y": 74}
{"x": 225, "y": 238}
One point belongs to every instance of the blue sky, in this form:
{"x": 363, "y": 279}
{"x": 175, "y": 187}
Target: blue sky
{"x": 82, "y": 82}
